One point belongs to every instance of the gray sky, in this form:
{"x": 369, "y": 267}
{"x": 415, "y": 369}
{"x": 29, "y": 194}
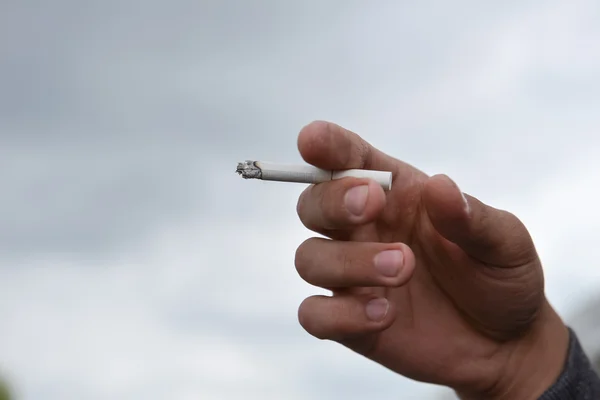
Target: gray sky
{"x": 134, "y": 263}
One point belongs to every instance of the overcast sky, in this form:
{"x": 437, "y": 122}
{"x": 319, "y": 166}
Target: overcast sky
{"x": 134, "y": 263}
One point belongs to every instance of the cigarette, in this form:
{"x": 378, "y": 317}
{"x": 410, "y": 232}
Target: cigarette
{"x": 268, "y": 171}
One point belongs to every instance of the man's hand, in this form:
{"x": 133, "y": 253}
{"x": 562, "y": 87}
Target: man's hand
{"x": 426, "y": 281}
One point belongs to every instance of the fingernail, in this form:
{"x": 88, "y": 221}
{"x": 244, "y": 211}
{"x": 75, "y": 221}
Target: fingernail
{"x": 389, "y": 262}
{"x": 356, "y": 199}
{"x": 377, "y": 309}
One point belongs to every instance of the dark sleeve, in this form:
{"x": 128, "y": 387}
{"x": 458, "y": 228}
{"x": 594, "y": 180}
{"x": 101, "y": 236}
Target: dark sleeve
{"x": 578, "y": 380}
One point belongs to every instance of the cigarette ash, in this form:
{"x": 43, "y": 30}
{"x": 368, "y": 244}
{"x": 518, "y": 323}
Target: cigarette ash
{"x": 249, "y": 170}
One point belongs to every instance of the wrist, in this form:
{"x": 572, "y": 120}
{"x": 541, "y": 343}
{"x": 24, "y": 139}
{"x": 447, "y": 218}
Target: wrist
{"x": 527, "y": 367}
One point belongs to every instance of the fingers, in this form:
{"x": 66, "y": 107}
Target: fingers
{"x": 489, "y": 235}
{"x": 338, "y": 264}
{"x": 341, "y": 317}
{"x": 329, "y": 146}
{"x": 339, "y": 204}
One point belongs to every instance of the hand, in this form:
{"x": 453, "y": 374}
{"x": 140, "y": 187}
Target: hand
{"x": 427, "y": 281}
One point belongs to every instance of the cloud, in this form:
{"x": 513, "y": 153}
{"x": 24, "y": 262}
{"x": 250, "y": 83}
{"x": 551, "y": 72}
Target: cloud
{"x": 134, "y": 263}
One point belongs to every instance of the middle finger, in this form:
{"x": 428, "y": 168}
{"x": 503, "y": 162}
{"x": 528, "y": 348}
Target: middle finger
{"x": 340, "y": 204}
{"x": 339, "y": 264}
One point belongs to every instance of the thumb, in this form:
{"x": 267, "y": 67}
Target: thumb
{"x": 490, "y": 235}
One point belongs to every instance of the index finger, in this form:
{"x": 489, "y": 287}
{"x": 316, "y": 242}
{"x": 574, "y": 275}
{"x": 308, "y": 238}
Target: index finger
{"x": 329, "y": 146}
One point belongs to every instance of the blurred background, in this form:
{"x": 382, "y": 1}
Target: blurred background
{"x": 134, "y": 262}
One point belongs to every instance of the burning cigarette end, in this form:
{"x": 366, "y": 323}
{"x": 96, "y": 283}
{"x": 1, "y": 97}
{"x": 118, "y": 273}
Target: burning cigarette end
{"x": 269, "y": 171}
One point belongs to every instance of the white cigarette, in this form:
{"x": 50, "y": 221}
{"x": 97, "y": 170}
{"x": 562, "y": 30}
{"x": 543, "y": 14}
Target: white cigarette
{"x": 269, "y": 171}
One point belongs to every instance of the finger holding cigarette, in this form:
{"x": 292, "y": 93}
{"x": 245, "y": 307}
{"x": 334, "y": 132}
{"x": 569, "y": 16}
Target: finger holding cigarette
{"x": 269, "y": 171}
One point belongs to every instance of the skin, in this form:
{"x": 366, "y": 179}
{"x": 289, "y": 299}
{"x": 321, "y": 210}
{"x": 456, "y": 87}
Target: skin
{"x": 427, "y": 281}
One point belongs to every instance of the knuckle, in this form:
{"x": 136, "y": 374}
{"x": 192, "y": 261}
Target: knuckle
{"x": 355, "y": 267}
{"x": 331, "y": 204}
{"x": 364, "y": 154}
{"x": 346, "y": 269}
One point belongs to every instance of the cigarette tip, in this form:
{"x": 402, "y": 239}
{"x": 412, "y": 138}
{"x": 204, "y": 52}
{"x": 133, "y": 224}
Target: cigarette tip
{"x": 248, "y": 170}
